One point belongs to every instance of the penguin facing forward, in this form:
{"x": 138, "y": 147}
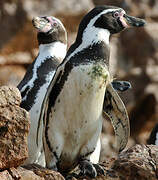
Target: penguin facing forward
{"x": 73, "y": 106}
{"x": 52, "y": 40}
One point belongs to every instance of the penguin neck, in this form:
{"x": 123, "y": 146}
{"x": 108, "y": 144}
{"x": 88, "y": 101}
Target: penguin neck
{"x": 55, "y": 50}
{"x": 94, "y": 40}
{"x": 95, "y": 35}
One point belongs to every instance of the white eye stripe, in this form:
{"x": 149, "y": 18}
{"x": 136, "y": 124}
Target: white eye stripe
{"x": 104, "y": 12}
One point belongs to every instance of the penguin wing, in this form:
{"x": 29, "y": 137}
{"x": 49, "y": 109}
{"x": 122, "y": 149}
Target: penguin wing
{"x": 116, "y": 111}
{"x": 44, "y": 107}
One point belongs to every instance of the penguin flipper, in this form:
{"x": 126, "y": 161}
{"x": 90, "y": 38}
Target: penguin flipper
{"x": 116, "y": 111}
{"x": 46, "y": 100}
{"x": 121, "y": 86}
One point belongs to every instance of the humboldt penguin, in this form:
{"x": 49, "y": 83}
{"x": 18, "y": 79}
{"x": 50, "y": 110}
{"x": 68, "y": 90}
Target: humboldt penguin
{"x": 79, "y": 93}
{"x": 52, "y": 40}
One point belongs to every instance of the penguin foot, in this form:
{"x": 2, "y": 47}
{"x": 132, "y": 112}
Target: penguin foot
{"x": 71, "y": 176}
{"x": 87, "y": 169}
{"x": 99, "y": 169}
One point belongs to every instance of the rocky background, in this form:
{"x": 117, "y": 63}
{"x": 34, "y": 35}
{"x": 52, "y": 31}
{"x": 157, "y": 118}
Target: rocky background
{"x": 134, "y": 57}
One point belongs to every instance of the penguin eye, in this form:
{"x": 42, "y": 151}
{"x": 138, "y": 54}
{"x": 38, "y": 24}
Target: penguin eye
{"x": 115, "y": 14}
{"x": 55, "y": 24}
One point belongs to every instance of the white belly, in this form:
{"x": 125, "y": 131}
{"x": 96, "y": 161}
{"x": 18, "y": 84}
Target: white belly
{"x": 76, "y": 118}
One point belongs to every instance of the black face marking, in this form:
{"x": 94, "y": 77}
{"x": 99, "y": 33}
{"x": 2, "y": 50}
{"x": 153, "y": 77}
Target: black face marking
{"x": 55, "y": 34}
{"x": 47, "y": 66}
{"x": 107, "y": 21}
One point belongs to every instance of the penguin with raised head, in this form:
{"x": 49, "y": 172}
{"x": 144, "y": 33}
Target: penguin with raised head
{"x": 52, "y": 40}
{"x": 73, "y": 106}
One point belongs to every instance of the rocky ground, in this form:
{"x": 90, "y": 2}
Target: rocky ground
{"x": 139, "y": 162}
{"x": 134, "y": 57}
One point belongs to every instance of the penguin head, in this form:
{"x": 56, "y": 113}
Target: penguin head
{"x": 110, "y": 18}
{"x": 50, "y": 29}
{"x": 115, "y": 19}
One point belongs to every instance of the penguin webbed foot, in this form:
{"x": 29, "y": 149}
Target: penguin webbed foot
{"x": 71, "y": 176}
{"x": 89, "y": 169}
{"x": 99, "y": 169}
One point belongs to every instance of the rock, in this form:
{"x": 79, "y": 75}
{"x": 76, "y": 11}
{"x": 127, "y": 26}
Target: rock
{"x": 14, "y": 127}
{"x": 30, "y": 172}
{"x": 44, "y": 173}
{"x": 5, "y": 175}
{"x": 139, "y": 162}
{"x": 9, "y": 95}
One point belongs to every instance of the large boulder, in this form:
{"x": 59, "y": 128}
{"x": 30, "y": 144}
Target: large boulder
{"x": 139, "y": 162}
{"x": 14, "y": 128}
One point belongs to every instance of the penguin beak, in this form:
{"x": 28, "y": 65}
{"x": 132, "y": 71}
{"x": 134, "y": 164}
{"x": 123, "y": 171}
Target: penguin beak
{"x": 130, "y": 21}
{"x": 42, "y": 24}
{"x": 39, "y": 22}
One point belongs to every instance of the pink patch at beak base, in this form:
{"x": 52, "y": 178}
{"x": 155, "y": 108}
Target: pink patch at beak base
{"x": 123, "y": 21}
